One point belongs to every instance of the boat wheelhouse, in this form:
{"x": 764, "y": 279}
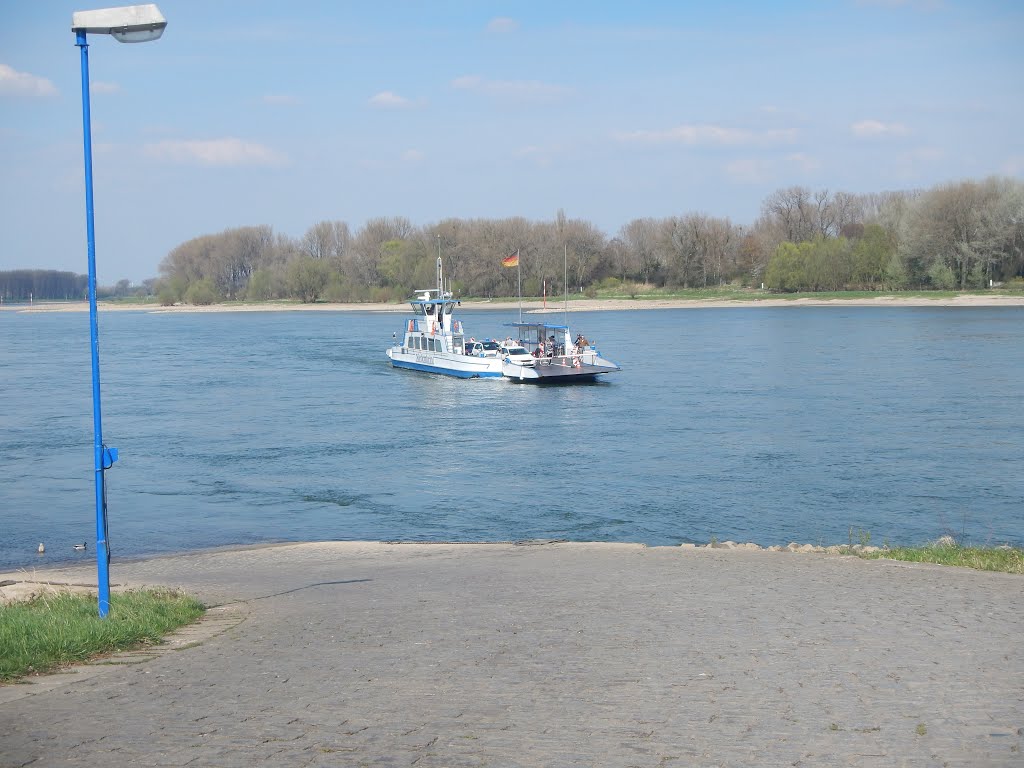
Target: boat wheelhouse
{"x": 435, "y": 342}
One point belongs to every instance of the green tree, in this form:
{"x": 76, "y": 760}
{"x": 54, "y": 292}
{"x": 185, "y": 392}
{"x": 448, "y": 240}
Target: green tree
{"x": 261, "y": 286}
{"x": 307, "y": 278}
{"x": 787, "y": 269}
{"x": 895, "y": 276}
{"x": 202, "y": 292}
{"x": 872, "y": 254}
{"x": 941, "y": 276}
{"x": 827, "y": 265}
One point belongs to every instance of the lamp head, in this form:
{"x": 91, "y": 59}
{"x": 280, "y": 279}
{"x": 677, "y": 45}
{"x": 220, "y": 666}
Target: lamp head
{"x": 128, "y": 24}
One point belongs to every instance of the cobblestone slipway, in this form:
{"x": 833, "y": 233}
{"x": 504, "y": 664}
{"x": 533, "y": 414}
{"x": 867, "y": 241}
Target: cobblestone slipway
{"x": 432, "y": 655}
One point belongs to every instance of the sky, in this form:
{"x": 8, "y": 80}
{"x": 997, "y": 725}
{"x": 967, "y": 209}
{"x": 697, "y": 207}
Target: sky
{"x": 286, "y": 114}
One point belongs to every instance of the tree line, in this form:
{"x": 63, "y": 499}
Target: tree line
{"x": 21, "y": 285}
{"x": 962, "y": 235}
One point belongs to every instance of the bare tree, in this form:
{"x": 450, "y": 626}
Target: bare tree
{"x": 645, "y": 259}
{"x": 971, "y": 228}
{"x": 792, "y": 212}
{"x": 327, "y": 240}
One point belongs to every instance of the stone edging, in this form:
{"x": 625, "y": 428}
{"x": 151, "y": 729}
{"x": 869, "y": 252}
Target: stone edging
{"x": 856, "y": 549}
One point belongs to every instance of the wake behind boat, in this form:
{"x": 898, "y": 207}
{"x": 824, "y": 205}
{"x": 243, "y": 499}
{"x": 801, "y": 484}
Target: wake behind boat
{"x": 554, "y": 356}
{"x": 434, "y": 341}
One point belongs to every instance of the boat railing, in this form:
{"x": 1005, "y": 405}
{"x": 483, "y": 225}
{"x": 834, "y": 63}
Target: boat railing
{"x": 572, "y": 360}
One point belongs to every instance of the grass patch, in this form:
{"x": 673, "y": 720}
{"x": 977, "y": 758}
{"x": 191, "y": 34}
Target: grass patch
{"x": 635, "y": 291}
{"x": 732, "y": 293}
{"x": 1000, "y": 559}
{"x": 640, "y": 293}
{"x": 56, "y": 630}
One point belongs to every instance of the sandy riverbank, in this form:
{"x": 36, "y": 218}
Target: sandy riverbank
{"x": 577, "y": 305}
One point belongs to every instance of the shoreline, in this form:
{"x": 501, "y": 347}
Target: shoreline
{"x": 26, "y": 582}
{"x": 530, "y": 307}
{"x": 19, "y": 584}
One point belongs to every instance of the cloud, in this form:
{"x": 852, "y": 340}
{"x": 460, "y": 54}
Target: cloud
{"x": 412, "y": 156}
{"x": 803, "y": 163}
{"x": 709, "y": 135}
{"x": 518, "y": 90}
{"x": 98, "y": 86}
{"x": 542, "y": 157}
{"x": 281, "y": 99}
{"x": 920, "y": 5}
{"x": 216, "y": 152}
{"x": 390, "y": 100}
{"x": 915, "y": 165}
{"x": 22, "y": 83}
{"x": 870, "y": 129}
{"x": 747, "y": 170}
{"x": 502, "y": 25}
{"x": 1014, "y": 165}
{"x": 762, "y": 170}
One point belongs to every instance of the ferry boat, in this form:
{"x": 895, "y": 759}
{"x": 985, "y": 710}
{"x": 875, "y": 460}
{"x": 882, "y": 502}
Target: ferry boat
{"x": 553, "y": 356}
{"x": 435, "y": 342}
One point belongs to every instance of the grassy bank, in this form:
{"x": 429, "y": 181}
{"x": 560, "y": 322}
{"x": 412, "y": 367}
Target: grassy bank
{"x": 52, "y": 631}
{"x": 734, "y": 293}
{"x": 1001, "y": 559}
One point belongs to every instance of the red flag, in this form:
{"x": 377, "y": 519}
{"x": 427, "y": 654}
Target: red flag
{"x": 511, "y": 261}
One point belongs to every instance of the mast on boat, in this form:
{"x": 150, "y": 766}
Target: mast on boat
{"x": 565, "y": 281}
{"x": 519, "y": 280}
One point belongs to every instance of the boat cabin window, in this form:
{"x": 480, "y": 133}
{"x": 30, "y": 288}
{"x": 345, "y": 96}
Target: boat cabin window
{"x": 428, "y": 309}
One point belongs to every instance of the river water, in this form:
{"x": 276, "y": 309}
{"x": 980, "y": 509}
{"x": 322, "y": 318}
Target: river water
{"x": 768, "y": 425}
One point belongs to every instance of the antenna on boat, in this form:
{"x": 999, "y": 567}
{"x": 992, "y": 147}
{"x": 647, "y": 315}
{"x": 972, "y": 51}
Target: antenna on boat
{"x": 440, "y": 280}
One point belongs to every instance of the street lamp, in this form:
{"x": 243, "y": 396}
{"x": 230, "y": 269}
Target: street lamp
{"x": 130, "y": 24}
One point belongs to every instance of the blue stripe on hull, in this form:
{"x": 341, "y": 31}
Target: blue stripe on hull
{"x": 444, "y": 371}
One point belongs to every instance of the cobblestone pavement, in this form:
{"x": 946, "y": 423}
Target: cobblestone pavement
{"x": 431, "y": 655}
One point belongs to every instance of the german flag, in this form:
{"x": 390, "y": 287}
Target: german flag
{"x": 511, "y": 261}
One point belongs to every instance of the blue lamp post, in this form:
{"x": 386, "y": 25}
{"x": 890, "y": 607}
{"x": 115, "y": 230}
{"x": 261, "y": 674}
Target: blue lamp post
{"x": 130, "y": 24}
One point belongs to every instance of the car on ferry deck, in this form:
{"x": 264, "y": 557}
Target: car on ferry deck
{"x": 515, "y": 353}
{"x": 485, "y": 348}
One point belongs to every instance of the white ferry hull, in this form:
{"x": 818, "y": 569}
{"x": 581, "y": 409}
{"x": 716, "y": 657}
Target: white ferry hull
{"x": 561, "y": 370}
{"x": 446, "y": 364}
